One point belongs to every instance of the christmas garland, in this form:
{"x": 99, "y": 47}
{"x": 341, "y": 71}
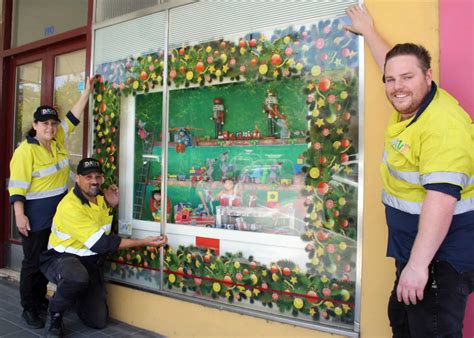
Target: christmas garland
{"x": 325, "y": 57}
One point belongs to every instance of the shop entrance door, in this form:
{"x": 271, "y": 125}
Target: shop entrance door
{"x": 55, "y": 77}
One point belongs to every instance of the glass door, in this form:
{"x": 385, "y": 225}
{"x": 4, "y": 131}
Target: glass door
{"x": 55, "y": 77}
{"x": 28, "y": 87}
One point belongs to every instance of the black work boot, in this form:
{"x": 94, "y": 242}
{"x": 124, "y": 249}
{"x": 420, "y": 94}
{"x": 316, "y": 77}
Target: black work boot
{"x": 32, "y": 319}
{"x": 55, "y": 325}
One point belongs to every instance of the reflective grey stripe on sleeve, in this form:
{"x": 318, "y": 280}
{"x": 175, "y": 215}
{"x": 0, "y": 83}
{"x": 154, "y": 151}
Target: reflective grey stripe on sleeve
{"x": 445, "y": 177}
{"x": 107, "y": 227}
{"x": 97, "y": 235}
{"x": 18, "y": 184}
{"x": 78, "y": 252}
{"x": 94, "y": 238}
{"x": 414, "y": 208}
{"x": 409, "y": 207}
{"x": 65, "y": 126}
{"x": 463, "y": 206}
{"x": 59, "y": 234}
{"x": 46, "y": 193}
{"x": 51, "y": 170}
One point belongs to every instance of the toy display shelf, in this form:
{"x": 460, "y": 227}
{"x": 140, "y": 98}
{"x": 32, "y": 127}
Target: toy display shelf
{"x": 244, "y": 142}
{"x": 245, "y": 186}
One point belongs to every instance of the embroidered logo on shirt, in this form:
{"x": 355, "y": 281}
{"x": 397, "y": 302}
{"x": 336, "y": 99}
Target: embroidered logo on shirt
{"x": 400, "y": 146}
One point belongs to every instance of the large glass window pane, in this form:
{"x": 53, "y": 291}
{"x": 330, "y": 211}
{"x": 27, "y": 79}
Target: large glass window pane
{"x": 27, "y": 98}
{"x": 38, "y": 19}
{"x": 69, "y": 77}
{"x": 254, "y": 133}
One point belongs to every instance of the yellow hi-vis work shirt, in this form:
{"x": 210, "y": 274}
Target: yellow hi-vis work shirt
{"x": 437, "y": 148}
{"x": 35, "y": 173}
{"x": 79, "y": 224}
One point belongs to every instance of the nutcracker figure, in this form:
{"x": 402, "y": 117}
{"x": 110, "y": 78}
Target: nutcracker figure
{"x": 270, "y": 107}
{"x": 218, "y": 114}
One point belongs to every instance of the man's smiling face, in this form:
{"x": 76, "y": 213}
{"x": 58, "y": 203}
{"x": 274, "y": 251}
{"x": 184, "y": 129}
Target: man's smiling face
{"x": 406, "y": 84}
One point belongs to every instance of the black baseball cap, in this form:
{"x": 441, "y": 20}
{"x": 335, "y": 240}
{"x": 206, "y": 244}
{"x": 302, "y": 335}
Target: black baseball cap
{"x": 88, "y": 165}
{"x": 45, "y": 113}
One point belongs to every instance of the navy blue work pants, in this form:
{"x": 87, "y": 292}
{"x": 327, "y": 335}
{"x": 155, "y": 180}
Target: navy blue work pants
{"x": 33, "y": 284}
{"x": 80, "y": 285}
{"x": 440, "y": 313}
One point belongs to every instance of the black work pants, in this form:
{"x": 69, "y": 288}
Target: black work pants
{"x": 80, "y": 285}
{"x": 33, "y": 284}
{"x": 441, "y": 312}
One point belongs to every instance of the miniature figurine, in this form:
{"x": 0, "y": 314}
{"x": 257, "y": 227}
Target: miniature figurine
{"x": 283, "y": 124}
{"x": 218, "y": 114}
{"x": 225, "y": 167}
{"x": 270, "y": 107}
{"x": 155, "y": 205}
{"x": 252, "y": 200}
{"x": 141, "y": 130}
{"x": 183, "y": 140}
{"x": 230, "y": 195}
{"x": 274, "y": 171}
{"x": 210, "y": 168}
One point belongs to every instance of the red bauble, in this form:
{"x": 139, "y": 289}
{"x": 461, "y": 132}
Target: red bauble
{"x": 275, "y": 59}
{"x": 286, "y": 271}
{"x": 327, "y": 292}
{"x": 311, "y": 296}
{"x": 331, "y": 98}
{"x": 319, "y": 43}
{"x": 199, "y": 67}
{"x": 323, "y": 188}
{"x": 324, "y": 84}
{"x": 143, "y": 76}
{"x": 252, "y": 43}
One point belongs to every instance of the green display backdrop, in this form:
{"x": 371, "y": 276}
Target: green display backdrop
{"x": 243, "y": 102}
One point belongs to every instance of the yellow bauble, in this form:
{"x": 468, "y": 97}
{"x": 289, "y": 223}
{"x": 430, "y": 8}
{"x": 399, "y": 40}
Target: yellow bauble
{"x": 314, "y": 172}
{"x": 172, "y": 278}
{"x": 298, "y": 303}
{"x": 189, "y": 75}
{"x": 263, "y": 69}
{"x": 342, "y": 246}
{"x": 331, "y": 118}
{"x": 345, "y": 294}
{"x": 342, "y": 201}
{"x": 315, "y": 70}
{"x": 216, "y": 287}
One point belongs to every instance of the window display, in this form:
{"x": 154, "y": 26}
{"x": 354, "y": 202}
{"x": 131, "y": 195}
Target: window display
{"x": 245, "y": 152}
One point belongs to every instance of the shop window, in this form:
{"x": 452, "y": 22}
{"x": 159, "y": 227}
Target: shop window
{"x": 251, "y": 141}
{"x": 35, "y": 19}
